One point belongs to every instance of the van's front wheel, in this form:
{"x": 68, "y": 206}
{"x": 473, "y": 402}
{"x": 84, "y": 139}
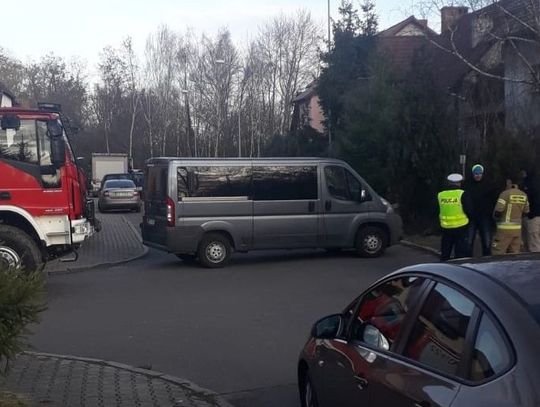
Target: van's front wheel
{"x": 214, "y": 250}
{"x": 371, "y": 241}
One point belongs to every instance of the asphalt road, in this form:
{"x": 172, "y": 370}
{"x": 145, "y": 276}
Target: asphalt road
{"x": 237, "y": 331}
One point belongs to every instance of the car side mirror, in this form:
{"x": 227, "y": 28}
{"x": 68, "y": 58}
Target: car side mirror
{"x": 328, "y": 327}
{"x": 372, "y": 336}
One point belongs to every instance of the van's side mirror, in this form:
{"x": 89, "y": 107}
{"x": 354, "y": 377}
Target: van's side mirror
{"x": 10, "y": 121}
{"x": 364, "y": 196}
{"x": 58, "y": 151}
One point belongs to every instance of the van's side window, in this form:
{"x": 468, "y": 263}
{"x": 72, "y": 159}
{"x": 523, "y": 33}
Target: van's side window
{"x": 214, "y": 182}
{"x": 285, "y": 183}
{"x": 342, "y": 184}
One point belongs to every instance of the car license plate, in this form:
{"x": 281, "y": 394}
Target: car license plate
{"x": 151, "y": 222}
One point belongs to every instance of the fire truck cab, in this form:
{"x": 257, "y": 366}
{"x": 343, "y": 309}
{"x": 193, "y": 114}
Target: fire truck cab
{"x": 44, "y": 211}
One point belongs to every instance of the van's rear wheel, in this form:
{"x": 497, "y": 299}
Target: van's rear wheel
{"x": 371, "y": 241}
{"x": 214, "y": 250}
{"x": 18, "y": 251}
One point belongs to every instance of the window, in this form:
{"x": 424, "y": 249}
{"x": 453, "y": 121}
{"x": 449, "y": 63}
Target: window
{"x": 284, "y": 183}
{"x": 156, "y": 185}
{"x": 385, "y": 307}
{"x": 20, "y": 145}
{"x": 214, "y": 182}
{"x": 438, "y": 337}
{"x": 342, "y": 184}
{"x": 117, "y": 183}
{"x": 490, "y": 354}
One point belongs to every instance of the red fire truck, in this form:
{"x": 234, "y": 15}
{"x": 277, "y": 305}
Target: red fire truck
{"x": 44, "y": 212}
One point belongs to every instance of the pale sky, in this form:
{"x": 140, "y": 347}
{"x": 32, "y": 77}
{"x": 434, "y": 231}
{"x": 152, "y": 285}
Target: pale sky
{"x": 83, "y": 28}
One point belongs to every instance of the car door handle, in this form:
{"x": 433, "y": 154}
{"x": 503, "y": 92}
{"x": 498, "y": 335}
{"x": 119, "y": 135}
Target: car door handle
{"x": 311, "y": 206}
{"x": 361, "y": 382}
{"x": 328, "y": 206}
{"x": 5, "y": 196}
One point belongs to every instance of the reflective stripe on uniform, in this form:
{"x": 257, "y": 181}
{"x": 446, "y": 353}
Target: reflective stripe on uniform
{"x": 518, "y": 199}
{"x": 509, "y": 226}
{"x": 508, "y": 213}
{"x": 501, "y": 201}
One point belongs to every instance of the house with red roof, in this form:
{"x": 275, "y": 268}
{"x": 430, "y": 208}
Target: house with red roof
{"x": 398, "y": 44}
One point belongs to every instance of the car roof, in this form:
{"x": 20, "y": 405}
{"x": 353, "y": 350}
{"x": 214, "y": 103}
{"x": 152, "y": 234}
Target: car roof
{"x": 313, "y": 160}
{"x": 518, "y": 274}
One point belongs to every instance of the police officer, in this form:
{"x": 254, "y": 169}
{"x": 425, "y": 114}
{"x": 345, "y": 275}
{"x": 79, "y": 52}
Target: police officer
{"x": 455, "y": 208}
{"x": 511, "y": 207}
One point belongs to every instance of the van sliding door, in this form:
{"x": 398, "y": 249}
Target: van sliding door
{"x": 286, "y": 206}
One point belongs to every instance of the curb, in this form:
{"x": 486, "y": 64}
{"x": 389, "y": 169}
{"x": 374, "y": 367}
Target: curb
{"x": 71, "y": 270}
{"x": 200, "y": 392}
{"x": 416, "y": 246}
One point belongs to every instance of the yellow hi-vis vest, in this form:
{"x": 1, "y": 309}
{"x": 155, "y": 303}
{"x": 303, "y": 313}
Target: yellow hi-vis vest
{"x": 451, "y": 213}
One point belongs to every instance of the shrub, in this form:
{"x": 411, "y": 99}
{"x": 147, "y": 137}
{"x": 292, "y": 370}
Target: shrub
{"x": 21, "y": 302}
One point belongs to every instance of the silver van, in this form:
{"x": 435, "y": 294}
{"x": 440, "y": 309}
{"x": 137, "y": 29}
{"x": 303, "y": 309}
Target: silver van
{"x": 208, "y": 208}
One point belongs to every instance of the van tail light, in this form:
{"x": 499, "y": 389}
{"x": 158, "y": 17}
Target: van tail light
{"x": 171, "y": 215}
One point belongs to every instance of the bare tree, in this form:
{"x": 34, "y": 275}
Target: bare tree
{"x": 161, "y": 70}
{"x": 133, "y": 83}
{"x": 510, "y": 25}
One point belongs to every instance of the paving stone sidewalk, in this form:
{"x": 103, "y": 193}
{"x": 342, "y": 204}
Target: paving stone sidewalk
{"x": 118, "y": 241}
{"x": 65, "y": 381}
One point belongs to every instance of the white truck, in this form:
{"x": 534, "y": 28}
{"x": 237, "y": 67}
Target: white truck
{"x": 103, "y": 164}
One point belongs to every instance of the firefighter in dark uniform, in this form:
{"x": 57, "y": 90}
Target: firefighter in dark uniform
{"x": 455, "y": 208}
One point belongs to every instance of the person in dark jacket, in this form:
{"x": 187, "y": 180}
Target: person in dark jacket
{"x": 483, "y": 196}
{"x": 531, "y": 186}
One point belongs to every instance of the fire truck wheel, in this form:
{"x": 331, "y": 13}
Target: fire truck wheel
{"x": 19, "y": 250}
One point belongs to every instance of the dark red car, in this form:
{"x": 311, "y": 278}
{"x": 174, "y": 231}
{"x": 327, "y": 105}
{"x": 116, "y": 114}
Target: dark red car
{"x": 434, "y": 335}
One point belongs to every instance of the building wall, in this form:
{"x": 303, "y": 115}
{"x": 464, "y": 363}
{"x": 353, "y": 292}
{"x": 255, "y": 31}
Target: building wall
{"x": 5, "y": 100}
{"x": 522, "y": 101}
{"x": 316, "y": 114}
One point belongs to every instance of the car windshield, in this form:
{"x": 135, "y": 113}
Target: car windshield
{"x": 119, "y": 184}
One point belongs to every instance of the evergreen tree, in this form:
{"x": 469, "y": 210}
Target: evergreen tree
{"x": 346, "y": 62}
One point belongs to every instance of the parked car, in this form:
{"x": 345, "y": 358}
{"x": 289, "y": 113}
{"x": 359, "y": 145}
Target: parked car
{"x": 210, "y": 207}
{"x": 119, "y": 194}
{"x": 438, "y": 335}
{"x": 136, "y": 176}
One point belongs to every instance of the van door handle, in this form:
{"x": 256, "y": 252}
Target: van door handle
{"x": 5, "y": 196}
{"x": 311, "y": 206}
{"x": 328, "y": 206}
